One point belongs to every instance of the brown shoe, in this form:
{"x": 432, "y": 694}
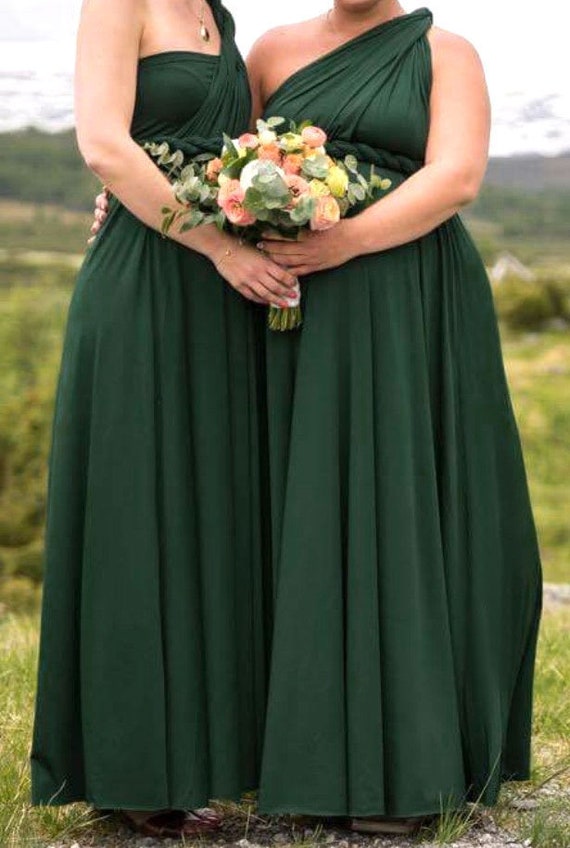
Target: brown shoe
{"x": 379, "y": 824}
{"x": 173, "y": 824}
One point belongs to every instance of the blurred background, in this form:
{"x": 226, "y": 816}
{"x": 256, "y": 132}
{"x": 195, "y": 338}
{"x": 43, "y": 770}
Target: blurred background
{"x": 521, "y": 222}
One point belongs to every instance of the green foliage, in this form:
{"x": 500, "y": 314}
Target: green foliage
{"x": 44, "y": 168}
{"x": 523, "y": 305}
{"x": 41, "y": 228}
{"x": 531, "y": 305}
{"x": 538, "y": 368}
{"x": 521, "y": 213}
{"x": 31, "y": 323}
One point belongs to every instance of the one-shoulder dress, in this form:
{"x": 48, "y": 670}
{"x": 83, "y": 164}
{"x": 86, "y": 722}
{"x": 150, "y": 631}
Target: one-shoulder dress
{"x": 153, "y": 655}
{"x": 407, "y": 578}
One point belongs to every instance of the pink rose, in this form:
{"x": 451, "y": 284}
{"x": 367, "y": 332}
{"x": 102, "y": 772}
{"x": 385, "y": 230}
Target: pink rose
{"x": 213, "y": 169}
{"x": 270, "y": 152}
{"x": 326, "y": 214}
{"x": 292, "y": 163}
{"x": 249, "y": 141}
{"x": 314, "y": 136}
{"x": 227, "y": 189}
{"x": 297, "y": 186}
{"x": 234, "y": 209}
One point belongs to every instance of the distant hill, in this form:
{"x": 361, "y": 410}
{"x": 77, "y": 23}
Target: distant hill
{"x": 530, "y": 173}
{"x": 39, "y": 167}
{"x": 524, "y": 195}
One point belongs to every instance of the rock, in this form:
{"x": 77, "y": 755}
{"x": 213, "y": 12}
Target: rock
{"x": 525, "y": 803}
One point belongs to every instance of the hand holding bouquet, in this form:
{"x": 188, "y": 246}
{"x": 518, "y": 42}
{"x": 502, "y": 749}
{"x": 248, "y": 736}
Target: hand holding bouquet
{"x": 266, "y": 182}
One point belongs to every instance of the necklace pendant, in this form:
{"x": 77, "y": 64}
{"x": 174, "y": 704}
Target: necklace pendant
{"x": 204, "y": 33}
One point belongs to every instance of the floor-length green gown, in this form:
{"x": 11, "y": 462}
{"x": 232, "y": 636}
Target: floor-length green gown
{"x": 407, "y": 573}
{"x": 152, "y": 669}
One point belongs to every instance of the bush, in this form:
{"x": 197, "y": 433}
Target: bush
{"x": 20, "y": 595}
{"x": 523, "y": 305}
{"x": 26, "y": 562}
{"x": 559, "y": 292}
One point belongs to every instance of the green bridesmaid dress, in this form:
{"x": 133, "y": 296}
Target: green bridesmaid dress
{"x": 152, "y": 674}
{"x": 407, "y": 578}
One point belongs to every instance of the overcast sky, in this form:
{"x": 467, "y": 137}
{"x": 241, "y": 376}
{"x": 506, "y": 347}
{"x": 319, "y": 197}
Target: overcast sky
{"x": 523, "y": 45}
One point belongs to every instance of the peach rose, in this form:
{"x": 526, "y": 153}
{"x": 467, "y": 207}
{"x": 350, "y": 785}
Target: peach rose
{"x": 234, "y": 209}
{"x": 213, "y": 169}
{"x": 314, "y": 137}
{"x": 292, "y": 163}
{"x": 226, "y": 189}
{"x": 297, "y": 186}
{"x": 326, "y": 214}
{"x": 249, "y": 141}
{"x": 270, "y": 152}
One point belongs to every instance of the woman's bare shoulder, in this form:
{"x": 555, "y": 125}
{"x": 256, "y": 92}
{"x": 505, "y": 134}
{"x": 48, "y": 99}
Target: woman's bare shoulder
{"x": 127, "y": 11}
{"x": 450, "y": 47}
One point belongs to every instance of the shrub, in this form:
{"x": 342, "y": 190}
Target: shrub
{"x": 523, "y": 305}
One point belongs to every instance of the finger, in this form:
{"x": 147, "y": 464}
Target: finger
{"x": 95, "y": 227}
{"x": 282, "y": 247}
{"x": 303, "y": 270}
{"x": 265, "y": 288}
{"x": 251, "y": 295}
{"x": 273, "y": 236}
{"x": 100, "y": 215}
{"x": 279, "y": 273}
{"x": 277, "y": 291}
{"x": 101, "y": 201}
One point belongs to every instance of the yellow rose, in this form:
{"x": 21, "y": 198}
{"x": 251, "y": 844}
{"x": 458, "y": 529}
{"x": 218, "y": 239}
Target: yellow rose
{"x": 337, "y": 181}
{"x": 318, "y": 189}
{"x": 291, "y": 142}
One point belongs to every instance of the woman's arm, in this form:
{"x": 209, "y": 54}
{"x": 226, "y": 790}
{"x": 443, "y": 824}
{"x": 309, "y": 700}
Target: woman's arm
{"x": 106, "y": 76}
{"x": 456, "y": 160}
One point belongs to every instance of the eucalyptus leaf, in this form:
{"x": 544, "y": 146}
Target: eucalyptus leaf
{"x": 359, "y": 193}
{"x": 351, "y": 163}
{"x": 316, "y": 167}
{"x": 275, "y": 122}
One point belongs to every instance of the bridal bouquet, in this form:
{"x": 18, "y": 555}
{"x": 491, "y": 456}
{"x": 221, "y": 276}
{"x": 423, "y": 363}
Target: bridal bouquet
{"x": 268, "y": 181}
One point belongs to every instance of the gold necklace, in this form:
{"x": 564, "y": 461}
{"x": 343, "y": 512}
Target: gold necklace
{"x": 204, "y": 31}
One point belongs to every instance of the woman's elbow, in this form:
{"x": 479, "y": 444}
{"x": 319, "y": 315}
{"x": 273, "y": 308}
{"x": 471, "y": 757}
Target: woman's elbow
{"x": 466, "y": 184}
{"x": 104, "y": 157}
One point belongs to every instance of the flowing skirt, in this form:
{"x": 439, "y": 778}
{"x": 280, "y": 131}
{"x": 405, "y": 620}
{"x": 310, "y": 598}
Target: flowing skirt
{"x": 152, "y": 677}
{"x": 406, "y": 567}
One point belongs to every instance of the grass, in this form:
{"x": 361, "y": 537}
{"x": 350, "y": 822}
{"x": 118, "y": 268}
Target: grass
{"x": 538, "y": 368}
{"x": 32, "y": 226}
{"x": 547, "y": 824}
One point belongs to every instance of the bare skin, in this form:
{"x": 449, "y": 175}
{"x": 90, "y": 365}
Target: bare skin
{"x": 112, "y": 37}
{"x": 458, "y": 142}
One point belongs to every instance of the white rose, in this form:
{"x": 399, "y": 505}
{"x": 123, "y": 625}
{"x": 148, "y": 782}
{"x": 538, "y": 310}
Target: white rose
{"x": 258, "y": 166}
{"x": 267, "y": 137}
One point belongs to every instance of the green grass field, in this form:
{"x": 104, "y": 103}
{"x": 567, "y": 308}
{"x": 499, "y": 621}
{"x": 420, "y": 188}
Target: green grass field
{"x": 538, "y": 368}
{"x": 21, "y": 825}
